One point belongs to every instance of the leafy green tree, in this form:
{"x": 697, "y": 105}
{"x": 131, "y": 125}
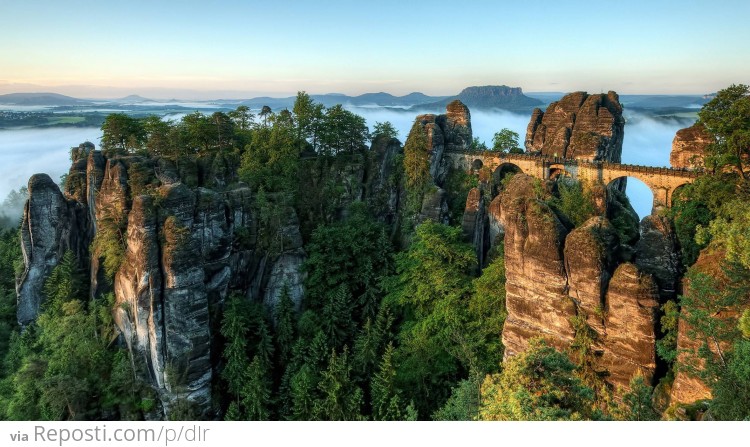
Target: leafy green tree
{"x": 731, "y": 392}
{"x": 242, "y": 118}
{"x": 727, "y": 118}
{"x": 463, "y": 405}
{"x": 342, "y": 131}
{"x": 477, "y": 145}
{"x": 637, "y": 403}
{"x": 235, "y": 326}
{"x": 256, "y": 393}
{"x": 431, "y": 289}
{"x": 573, "y": 202}
{"x": 384, "y": 130}
{"x": 666, "y": 347}
{"x": 536, "y": 385}
{"x": 284, "y": 335}
{"x": 159, "y": 138}
{"x": 121, "y": 134}
{"x": 355, "y": 252}
{"x": 506, "y": 141}
{"x": 416, "y": 158}
{"x": 308, "y": 117}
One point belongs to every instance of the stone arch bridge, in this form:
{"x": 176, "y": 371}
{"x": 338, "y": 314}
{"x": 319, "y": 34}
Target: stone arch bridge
{"x": 662, "y": 181}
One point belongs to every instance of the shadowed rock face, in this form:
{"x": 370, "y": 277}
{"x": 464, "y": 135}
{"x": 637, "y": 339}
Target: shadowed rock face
{"x": 657, "y": 253}
{"x": 51, "y": 225}
{"x": 578, "y": 126}
{"x": 451, "y": 131}
{"x": 689, "y": 147}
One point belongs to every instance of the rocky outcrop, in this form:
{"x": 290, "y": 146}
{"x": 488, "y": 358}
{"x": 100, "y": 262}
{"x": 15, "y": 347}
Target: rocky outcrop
{"x": 688, "y": 387}
{"x": 657, "y": 253}
{"x": 383, "y": 190}
{"x": 51, "y": 225}
{"x": 590, "y": 257}
{"x": 689, "y": 147}
{"x": 451, "y": 131}
{"x": 494, "y": 222}
{"x": 630, "y": 321}
{"x": 578, "y": 126}
{"x": 474, "y": 222}
{"x": 186, "y": 247}
{"x": 559, "y": 283}
{"x": 536, "y": 285}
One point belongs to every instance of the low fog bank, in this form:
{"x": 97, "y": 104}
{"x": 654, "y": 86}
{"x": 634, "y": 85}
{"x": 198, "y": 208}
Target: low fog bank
{"x": 648, "y": 140}
{"x": 25, "y": 152}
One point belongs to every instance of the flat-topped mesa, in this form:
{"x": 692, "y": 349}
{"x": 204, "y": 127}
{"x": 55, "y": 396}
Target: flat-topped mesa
{"x": 579, "y": 125}
{"x": 689, "y": 147}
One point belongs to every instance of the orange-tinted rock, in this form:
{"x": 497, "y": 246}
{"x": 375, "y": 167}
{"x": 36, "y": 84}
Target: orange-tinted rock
{"x": 688, "y": 387}
{"x": 629, "y": 346}
{"x": 578, "y": 126}
{"x": 589, "y": 258}
{"x": 536, "y": 286}
{"x": 474, "y": 222}
{"x": 689, "y": 147}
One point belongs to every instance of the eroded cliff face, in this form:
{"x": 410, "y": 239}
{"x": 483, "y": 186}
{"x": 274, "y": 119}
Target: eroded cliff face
{"x": 450, "y": 131}
{"x": 51, "y": 225}
{"x": 186, "y": 247}
{"x": 689, "y": 147}
{"x": 688, "y": 386}
{"x": 536, "y": 283}
{"x": 578, "y": 126}
{"x": 559, "y": 279}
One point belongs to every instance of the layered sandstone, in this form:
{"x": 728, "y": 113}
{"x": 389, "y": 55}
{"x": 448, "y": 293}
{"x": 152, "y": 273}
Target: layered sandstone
{"x": 579, "y": 125}
{"x": 689, "y": 147}
{"x": 630, "y": 322}
{"x": 536, "y": 285}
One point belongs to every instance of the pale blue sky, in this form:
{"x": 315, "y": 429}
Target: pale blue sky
{"x": 203, "y": 49}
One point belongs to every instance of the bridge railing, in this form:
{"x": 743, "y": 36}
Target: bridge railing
{"x": 674, "y": 172}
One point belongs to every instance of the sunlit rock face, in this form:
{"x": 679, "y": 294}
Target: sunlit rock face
{"x": 689, "y": 147}
{"x": 186, "y": 248}
{"x": 579, "y": 125}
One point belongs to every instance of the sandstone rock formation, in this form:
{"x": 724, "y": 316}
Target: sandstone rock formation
{"x": 689, "y": 147}
{"x": 554, "y": 276}
{"x": 536, "y": 285}
{"x": 590, "y": 252}
{"x": 474, "y": 223}
{"x": 629, "y": 344}
{"x": 186, "y": 247}
{"x": 657, "y": 253}
{"x": 51, "y": 225}
{"x": 451, "y": 131}
{"x": 688, "y": 387}
{"x": 578, "y": 126}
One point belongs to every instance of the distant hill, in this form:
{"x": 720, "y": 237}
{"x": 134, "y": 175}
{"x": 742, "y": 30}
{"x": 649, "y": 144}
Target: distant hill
{"x": 133, "y": 99}
{"x": 41, "y": 99}
{"x": 380, "y": 99}
{"x": 492, "y": 97}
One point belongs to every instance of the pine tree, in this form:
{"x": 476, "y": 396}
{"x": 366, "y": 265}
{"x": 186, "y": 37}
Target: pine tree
{"x": 386, "y": 401}
{"x": 256, "y": 395}
{"x": 637, "y": 402}
{"x": 341, "y": 398}
{"x": 235, "y": 327}
{"x": 285, "y": 332}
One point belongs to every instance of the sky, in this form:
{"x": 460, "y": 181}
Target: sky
{"x": 237, "y": 49}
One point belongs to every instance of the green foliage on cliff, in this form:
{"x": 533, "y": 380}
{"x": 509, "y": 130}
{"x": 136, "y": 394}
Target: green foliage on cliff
{"x": 727, "y": 119}
{"x": 10, "y": 264}
{"x": 62, "y": 367}
{"x": 573, "y": 201}
{"x": 536, "y": 385}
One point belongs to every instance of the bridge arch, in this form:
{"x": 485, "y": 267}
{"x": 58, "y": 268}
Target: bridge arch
{"x": 642, "y": 196}
{"x": 557, "y": 170}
